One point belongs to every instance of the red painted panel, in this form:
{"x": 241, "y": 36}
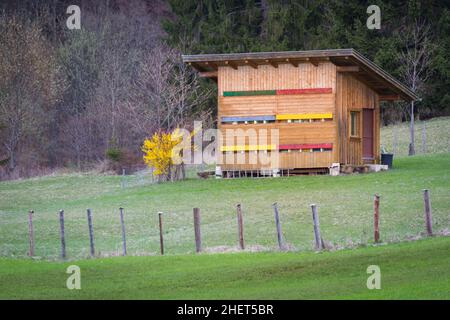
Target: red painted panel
{"x": 304, "y": 91}
{"x": 306, "y": 146}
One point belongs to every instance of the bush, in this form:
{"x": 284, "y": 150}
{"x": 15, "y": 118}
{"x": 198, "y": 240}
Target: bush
{"x": 119, "y": 159}
{"x": 114, "y": 154}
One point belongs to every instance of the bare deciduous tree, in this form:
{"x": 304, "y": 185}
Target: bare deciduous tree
{"x": 29, "y": 83}
{"x": 66, "y": 97}
{"x": 166, "y": 91}
{"x": 416, "y": 60}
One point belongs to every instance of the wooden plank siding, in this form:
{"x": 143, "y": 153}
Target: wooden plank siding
{"x": 289, "y": 133}
{"x": 347, "y": 94}
{"x": 353, "y": 95}
{"x": 285, "y": 77}
{"x": 293, "y": 85}
{"x": 270, "y": 105}
{"x": 287, "y": 160}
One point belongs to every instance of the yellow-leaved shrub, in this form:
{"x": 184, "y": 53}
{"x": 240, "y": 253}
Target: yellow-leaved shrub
{"x": 162, "y": 151}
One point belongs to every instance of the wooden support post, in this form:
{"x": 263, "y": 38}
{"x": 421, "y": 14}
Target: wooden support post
{"x": 62, "y": 234}
{"x": 252, "y": 64}
{"x": 124, "y": 240}
{"x": 231, "y": 64}
{"x": 198, "y": 237}
{"x": 91, "y": 232}
{"x": 428, "y": 218}
{"x": 208, "y": 74}
{"x": 424, "y": 137}
{"x": 376, "y": 218}
{"x": 278, "y": 225}
{"x": 315, "y": 62}
{"x": 272, "y": 63}
{"x": 240, "y": 227}
{"x": 395, "y": 140}
{"x": 161, "y": 240}
{"x": 31, "y": 233}
{"x": 317, "y": 236}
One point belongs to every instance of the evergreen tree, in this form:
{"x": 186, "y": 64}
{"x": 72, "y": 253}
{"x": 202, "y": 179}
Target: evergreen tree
{"x": 213, "y": 26}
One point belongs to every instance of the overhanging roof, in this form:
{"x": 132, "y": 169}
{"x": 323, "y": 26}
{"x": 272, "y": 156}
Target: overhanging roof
{"x": 348, "y": 60}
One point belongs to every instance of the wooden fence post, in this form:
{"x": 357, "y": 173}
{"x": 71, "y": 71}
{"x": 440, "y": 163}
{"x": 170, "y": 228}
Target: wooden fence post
{"x": 240, "y": 227}
{"x": 317, "y": 236}
{"x": 62, "y": 234}
{"x": 376, "y": 218}
{"x": 428, "y": 218}
{"x": 161, "y": 240}
{"x": 198, "y": 237}
{"x": 31, "y": 233}
{"x": 124, "y": 241}
{"x": 122, "y": 179}
{"x": 278, "y": 225}
{"x": 91, "y": 232}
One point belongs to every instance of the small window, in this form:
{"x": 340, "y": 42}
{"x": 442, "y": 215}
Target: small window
{"x": 354, "y": 123}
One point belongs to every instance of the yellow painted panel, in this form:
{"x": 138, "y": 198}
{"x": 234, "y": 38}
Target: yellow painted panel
{"x": 304, "y": 116}
{"x": 248, "y": 148}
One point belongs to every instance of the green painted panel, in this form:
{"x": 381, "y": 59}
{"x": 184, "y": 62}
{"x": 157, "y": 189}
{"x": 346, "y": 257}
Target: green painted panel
{"x": 249, "y": 93}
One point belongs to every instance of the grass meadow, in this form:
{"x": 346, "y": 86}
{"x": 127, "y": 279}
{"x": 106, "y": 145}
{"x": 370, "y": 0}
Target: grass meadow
{"x": 345, "y": 208}
{"x": 410, "y": 269}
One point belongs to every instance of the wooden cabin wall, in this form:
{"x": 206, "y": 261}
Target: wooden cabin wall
{"x": 353, "y": 95}
{"x": 286, "y": 76}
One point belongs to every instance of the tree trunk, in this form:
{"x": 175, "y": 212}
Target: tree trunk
{"x": 78, "y": 158}
{"x": 169, "y": 173}
{"x": 412, "y": 149}
{"x": 183, "y": 171}
{"x": 12, "y": 160}
{"x": 176, "y": 174}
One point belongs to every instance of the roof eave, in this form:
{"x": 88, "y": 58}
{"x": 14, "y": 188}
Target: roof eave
{"x": 201, "y": 61}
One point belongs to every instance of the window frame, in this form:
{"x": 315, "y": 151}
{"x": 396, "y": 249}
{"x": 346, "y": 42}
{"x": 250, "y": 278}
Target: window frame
{"x": 358, "y": 123}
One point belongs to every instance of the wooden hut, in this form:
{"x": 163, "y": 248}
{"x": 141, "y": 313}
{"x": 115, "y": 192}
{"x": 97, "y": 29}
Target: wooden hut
{"x": 324, "y": 103}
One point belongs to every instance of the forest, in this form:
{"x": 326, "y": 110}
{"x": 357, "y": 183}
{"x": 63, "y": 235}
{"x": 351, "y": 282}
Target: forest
{"x": 87, "y": 98}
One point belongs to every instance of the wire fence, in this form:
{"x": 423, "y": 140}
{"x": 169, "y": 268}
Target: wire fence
{"x": 146, "y": 176}
{"x": 278, "y": 228}
{"x": 396, "y": 138}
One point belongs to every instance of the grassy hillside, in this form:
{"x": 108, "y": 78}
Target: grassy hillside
{"x": 435, "y": 131}
{"x": 345, "y": 209}
{"x": 413, "y": 270}
{"x": 410, "y": 270}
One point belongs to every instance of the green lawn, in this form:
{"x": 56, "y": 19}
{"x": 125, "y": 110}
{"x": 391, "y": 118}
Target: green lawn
{"x": 345, "y": 209}
{"x": 409, "y": 270}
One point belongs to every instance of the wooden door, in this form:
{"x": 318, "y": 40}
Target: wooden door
{"x": 367, "y": 140}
